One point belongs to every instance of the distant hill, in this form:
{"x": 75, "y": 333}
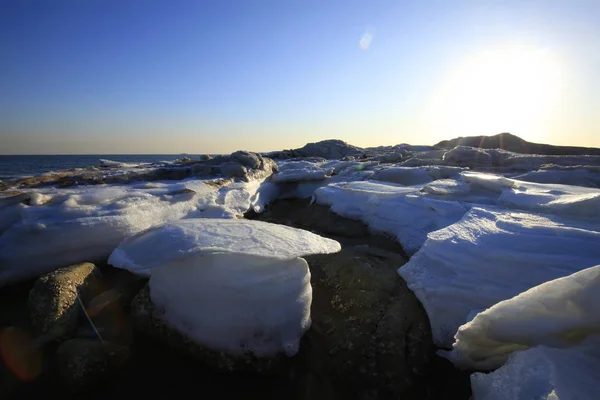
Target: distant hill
{"x": 514, "y": 143}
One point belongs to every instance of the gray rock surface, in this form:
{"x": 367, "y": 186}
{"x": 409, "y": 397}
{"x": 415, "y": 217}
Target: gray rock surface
{"x": 83, "y": 364}
{"x": 375, "y": 333}
{"x": 54, "y": 300}
{"x": 370, "y": 336}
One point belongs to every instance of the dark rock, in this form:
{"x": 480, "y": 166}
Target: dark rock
{"x": 55, "y": 299}
{"x": 109, "y": 311}
{"x": 370, "y": 337}
{"x": 328, "y": 149}
{"x": 248, "y": 159}
{"x": 83, "y": 364}
{"x": 233, "y": 170}
{"x": 375, "y": 334}
{"x": 175, "y": 174}
{"x": 514, "y": 143}
{"x": 317, "y": 218}
{"x": 204, "y": 170}
{"x": 147, "y": 320}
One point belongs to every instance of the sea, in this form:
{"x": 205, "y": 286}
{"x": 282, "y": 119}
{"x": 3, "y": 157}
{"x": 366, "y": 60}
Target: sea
{"x": 19, "y": 166}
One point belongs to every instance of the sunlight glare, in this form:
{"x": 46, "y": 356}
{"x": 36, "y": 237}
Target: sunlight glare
{"x": 509, "y": 89}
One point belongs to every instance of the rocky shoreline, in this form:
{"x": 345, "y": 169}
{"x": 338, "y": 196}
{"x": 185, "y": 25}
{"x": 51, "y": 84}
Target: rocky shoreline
{"x": 368, "y": 329}
{"x": 430, "y": 238}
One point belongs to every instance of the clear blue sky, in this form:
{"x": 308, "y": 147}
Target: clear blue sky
{"x": 216, "y": 76}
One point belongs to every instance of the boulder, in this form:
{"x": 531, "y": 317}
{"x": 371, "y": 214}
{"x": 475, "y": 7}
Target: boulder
{"x": 83, "y": 364}
{"x": 248, "y": 159}
{"x": 110, "y": 309}
{"x": 233, "y": 170}
{"x": 55, "y": 299}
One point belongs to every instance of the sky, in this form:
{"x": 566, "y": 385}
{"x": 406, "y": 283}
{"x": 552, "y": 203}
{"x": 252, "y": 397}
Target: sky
{"x": 170, "y": 77}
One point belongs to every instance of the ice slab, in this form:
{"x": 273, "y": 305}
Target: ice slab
{"x": 182, "y": 239}
{"x": 559, "y": 313}
{"x": 491, "y": 255}
{"x": 235, "y": 286}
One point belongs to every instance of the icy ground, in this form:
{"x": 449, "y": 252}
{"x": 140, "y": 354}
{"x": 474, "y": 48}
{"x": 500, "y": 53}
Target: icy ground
{"x": 485, "y": 229}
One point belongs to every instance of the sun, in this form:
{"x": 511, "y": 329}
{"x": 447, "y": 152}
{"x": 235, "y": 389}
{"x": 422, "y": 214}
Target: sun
{"x": 508, "y": 89}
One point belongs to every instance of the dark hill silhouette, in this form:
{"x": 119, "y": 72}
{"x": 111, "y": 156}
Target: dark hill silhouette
{"x": 514, "y": 143}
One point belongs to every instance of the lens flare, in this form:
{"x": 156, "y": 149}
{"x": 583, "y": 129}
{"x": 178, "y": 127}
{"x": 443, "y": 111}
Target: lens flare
{"x": 20, "y": 353}
{"x": 366, "y": 39}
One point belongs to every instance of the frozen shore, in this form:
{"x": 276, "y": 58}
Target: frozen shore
{"x": 483, "y": 229}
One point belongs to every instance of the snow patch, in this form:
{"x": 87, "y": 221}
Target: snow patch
{"x": 544, "y": 373}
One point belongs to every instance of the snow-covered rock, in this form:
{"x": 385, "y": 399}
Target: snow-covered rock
{"x": 403, "y": 175}
{"x": 399, "y": 211}
{"x": 328, "y": 149}
{"x": 559, "y": 313}
{"x": 293, "y": 171}
{"x": 118, "y": 164}
{"x": 492, "y": 255}
{"x": 233, "y": 286}
{"x": 86, "y": 223}
{"x": 465, "y": 156}
{"x": 532, "y": 162}
{"x": 409, "y": 213}
{"x": 241, "y": 165}
{"x": 392, "y": 157}
{"x": 544, "y": 373}
{"x": 415, "y": 175}
{"x": 588, "y": 176}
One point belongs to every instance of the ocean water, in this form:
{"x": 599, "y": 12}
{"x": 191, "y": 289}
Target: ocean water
{"x": 12, "y": 167}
